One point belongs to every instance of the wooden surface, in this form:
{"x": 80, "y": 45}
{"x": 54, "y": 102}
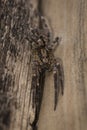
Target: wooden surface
{"x": 68, "y": 19}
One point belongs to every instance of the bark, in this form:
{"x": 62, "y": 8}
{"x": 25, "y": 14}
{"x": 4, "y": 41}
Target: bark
{"x": 15, "y": 63}
{"x": 68, "y": 20}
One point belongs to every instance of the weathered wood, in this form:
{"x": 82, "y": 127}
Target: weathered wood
{"x": 15, "y": 63}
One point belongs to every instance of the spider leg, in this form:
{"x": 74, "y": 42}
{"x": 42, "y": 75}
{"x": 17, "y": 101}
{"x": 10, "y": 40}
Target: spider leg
{"x": 45, "y": 24}
{"x": 58, "y": 80}
{"x": 37, "y": 86}
{"x": 55, "y": 43}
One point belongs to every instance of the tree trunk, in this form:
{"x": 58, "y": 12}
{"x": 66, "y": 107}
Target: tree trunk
{"x": 68, "y": 20}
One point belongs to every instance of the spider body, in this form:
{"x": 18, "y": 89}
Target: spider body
{"x": 42, "y": 51}
{"x": 42, "y": 60}
{"x": 43, "y": 56}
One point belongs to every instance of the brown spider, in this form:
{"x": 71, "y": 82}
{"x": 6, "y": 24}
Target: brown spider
{"x": 42, "y": 60}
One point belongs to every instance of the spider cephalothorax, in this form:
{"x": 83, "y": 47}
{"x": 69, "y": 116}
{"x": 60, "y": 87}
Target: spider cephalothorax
{"x": 42, "y": 49}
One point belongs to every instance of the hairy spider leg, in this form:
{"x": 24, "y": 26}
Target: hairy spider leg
{"x": 37, "y": 86}
{"x": 58, "y": 80}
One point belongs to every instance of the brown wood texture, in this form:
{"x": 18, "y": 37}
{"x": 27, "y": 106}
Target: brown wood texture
{"x": 68, "y": 20}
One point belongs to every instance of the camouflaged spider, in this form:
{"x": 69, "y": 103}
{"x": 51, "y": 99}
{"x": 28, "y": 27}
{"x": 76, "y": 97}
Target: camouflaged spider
{"x": 42, "y": 60}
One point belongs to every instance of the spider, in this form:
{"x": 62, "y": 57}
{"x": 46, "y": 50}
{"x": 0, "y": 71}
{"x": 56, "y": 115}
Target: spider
{"x": 42, "y": 60}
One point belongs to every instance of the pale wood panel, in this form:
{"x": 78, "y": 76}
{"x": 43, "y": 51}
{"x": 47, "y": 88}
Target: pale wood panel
{"x": 68, "y": 20}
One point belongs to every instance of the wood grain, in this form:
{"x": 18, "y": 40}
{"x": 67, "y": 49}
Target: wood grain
{"x": 68, "y": 20}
